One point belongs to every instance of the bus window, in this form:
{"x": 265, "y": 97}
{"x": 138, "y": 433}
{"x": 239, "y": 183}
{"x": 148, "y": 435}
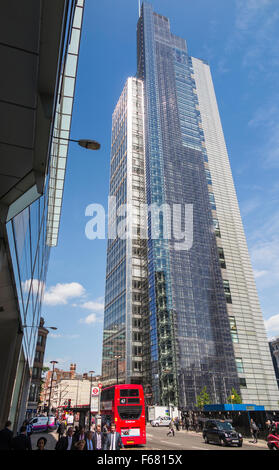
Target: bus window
{"x": 133, "y": 392}
{"x": 129, "y": 412}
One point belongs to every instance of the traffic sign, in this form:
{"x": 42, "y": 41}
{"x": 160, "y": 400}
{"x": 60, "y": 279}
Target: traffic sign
{"x": 100, "y": 385}
{"x": 95, "y": 391}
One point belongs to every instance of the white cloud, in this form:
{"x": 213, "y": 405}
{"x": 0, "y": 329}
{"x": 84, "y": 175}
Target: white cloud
{"x": 93, "y": 305}
{"x": 62, "y": 293}
{"x": 92, "y": 318}
{"x": 272, "y": 325}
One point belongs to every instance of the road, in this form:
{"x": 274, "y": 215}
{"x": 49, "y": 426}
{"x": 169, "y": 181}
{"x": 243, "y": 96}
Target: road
{"x": 157, "y": 440}
{"x": 189, "y": 440}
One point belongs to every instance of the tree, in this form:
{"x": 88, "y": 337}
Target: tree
{"x": 203, "y": 399}
{"x": 234, "y": 398}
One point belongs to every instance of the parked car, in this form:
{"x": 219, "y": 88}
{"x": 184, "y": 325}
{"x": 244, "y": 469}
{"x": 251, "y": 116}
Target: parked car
{"x": 161, "y": 421}
{"x": 221, "y": 432}
{"x": 273, "y": 437}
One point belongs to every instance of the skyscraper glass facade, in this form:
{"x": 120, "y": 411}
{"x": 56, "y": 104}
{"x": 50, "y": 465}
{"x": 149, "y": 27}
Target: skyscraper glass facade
{"x": 201, "y": 321}
{"x": 192, "y": 344}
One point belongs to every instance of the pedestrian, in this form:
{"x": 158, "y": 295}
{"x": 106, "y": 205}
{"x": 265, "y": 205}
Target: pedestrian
{"x": 61, "y": 429}
{"x": 66, "y": 442}
{"x": 6, "y": 436}
{"x": 76, "y": 431}
{"x": 41, "y": 443}
{"x": 113, "y": 441}
{"x": 176, "y": 423}
{"x": 187, "y": 423}
{"x": 99, "y": 439}
{"x": 88, "y": 441}
{"x": 80, "y": 435}
{"x": 105, "y": 430}
{"x": 171, "y": 428}
{"x": 79, "y": 445}
{"x": 21, "y": 441}
{"x": 254, "y": 431}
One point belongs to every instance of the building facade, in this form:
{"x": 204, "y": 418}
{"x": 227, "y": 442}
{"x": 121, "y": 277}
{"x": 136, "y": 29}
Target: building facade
{"x": 201, "y": 323}
{"x": 37, "y": 369}
{"x": 40, "y": 46}
{"x": 126, "y": 278}
{"x": 274, "y": 351}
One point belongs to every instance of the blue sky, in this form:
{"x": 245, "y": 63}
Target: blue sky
{"x": 239, "y": 39}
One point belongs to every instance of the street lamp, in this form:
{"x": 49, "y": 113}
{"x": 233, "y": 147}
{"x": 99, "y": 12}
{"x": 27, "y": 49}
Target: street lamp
{"x": 46, "y": 327}
{"x": 117, "y": 358}
{"x": 86, "y": 143}
{"x": 91, "y": 372}
{"x": 49, "y": 398}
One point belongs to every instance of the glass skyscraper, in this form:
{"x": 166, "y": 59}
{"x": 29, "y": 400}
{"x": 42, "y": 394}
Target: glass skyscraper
{"x": 193, "y": 318}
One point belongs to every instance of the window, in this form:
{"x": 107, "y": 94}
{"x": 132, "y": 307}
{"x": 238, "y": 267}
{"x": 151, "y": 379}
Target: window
{"x": 40, "y": 340}
{"x": 137, "y": 366}
{"x": 208, "y": 176}
{"x": 216, "y": 228}
{"x": 227, "y": 291}
{"x": 212, "y": 201}
{"x": 137, "y": 350}
{"x": 36, "y": 373}
{"x": 37, "y": 356}
{"x": 137, "y": 336}
{"x": 242, "y": 382}
{"x": 129, "y": 392}
{"x": 239, "y": 365}
{"x": 233, "y": 329}
{"x": 129, "y": 412}
{"x": 221, "y": 258}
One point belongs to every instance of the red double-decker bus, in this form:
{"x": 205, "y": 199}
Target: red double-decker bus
{"x": 124, "y": 406}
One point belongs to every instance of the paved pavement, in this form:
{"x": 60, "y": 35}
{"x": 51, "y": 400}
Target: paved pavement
{"x": 190, "y": 440}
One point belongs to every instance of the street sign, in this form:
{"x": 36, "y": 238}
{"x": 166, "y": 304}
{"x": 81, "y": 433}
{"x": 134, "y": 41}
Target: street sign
{"x": 95, "y": 391}
{"x": 100, "y": 385}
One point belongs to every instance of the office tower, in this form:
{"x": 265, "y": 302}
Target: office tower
{"x": 39, "y": 45}
{"x": 205, "y": 326}
{"x": 126, "y": 274}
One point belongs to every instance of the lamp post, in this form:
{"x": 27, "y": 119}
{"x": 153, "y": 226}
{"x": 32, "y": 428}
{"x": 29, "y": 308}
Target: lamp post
{"x": 117, "y": 358}
{"x": 46, "y": 327}
{"x": 91, "y": 372}
{"x": 49, "y": 398}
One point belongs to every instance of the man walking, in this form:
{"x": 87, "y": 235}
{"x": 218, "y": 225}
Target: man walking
{"x": 99, "y": 439}
{"x": 22, "y": 441}
{"x": 114, "y": 441}
{"x": 61, "y": 429}
{"x": 254, "y": 431}
{"x": 6, "y": 436}
{"x": 89, "y": 445}
{"x": 66, "y": 442}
